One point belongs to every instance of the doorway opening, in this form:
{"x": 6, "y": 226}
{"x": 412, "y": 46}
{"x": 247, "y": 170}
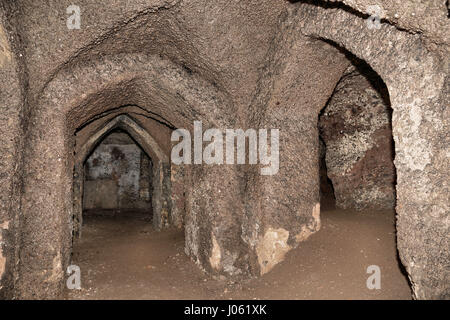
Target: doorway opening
{"x": 356, "y": 144}
{"x": 358, "y": 179}
{"x": 118, "y": 178}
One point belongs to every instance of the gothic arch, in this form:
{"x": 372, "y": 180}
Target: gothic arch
{"x": 161, "y": 199}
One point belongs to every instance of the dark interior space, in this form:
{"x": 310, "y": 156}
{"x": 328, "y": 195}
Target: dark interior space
{"x": 224, "y": 150}
{"x": 118, "y": 178}
{"x": 356, "y": 147}
{"x": 125, "y": 257}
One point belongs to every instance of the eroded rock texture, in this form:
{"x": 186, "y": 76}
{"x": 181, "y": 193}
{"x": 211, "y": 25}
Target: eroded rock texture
{"x": 155, "y": 66}
{"x": 118, "y": 176}
{"x": 356, "y": 128}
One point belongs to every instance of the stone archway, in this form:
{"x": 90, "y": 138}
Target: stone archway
{"x": 161, "y": 199}
{"x": 415, "y": 78}
{"x": 229, "y": 70}
{"x": 164, "y": 91}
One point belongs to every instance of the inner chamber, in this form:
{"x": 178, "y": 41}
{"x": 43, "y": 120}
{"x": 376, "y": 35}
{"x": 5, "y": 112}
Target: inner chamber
{"x": 118, "y": 178}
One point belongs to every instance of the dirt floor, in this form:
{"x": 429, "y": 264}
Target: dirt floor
{"x": 123, "y": 257}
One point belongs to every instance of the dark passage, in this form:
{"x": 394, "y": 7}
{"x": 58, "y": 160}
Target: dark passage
{"x": 118, "y": 178}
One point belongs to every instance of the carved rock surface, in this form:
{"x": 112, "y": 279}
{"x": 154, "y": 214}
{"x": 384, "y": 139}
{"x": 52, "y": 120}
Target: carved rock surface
{"x": 356, "y": 128}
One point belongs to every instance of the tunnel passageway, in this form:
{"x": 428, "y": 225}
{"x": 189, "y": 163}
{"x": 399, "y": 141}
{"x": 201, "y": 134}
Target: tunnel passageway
{"x": 122, "y": 256}
{"x": 91, "y": 175}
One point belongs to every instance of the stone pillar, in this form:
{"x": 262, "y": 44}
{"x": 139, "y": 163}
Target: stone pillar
{"x": 13, "y": 110}
{"x": 178, "y": 183}
{"x": 420, "y": 124}
{"x": 284, "y": 208}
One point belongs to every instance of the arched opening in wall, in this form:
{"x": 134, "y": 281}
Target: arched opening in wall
{"x": 358, "y": 181}
{"x": 118, "y": 179}
{"x": 123, "y": 228}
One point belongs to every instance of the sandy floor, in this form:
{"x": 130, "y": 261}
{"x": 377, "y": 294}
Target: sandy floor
{"x": 124, "y": 258}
